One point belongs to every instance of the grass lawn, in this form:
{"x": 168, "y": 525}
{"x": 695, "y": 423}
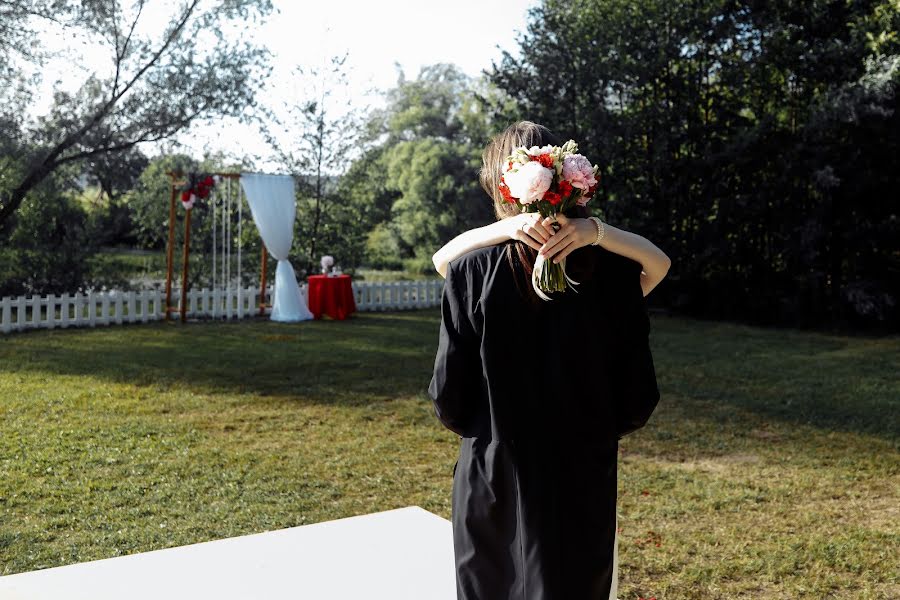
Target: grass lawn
{"x": 770, "y": 470}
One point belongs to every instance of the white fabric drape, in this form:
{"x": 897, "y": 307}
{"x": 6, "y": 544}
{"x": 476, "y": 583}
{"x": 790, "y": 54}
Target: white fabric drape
{"x": 272, "y": 204}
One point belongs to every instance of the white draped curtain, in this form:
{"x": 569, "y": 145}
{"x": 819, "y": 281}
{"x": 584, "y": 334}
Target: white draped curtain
{"x": 272, "y": 204}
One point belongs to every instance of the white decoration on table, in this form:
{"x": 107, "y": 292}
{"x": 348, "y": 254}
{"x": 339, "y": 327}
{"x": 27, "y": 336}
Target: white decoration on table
{"x": 327, "y": 262}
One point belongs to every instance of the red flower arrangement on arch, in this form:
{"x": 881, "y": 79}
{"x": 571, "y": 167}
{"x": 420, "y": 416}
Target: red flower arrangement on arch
{"x": 197, "y": 187}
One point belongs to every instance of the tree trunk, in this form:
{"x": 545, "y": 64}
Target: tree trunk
{"x": 13, "y": 199}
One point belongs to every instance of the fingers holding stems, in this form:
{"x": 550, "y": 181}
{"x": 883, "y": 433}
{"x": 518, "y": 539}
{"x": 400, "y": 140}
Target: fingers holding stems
{"x": 531, "y": 230}
{"x": 572, "y": 234}
{"x": 556, "y": 236}
{"x": 556, "y": 247}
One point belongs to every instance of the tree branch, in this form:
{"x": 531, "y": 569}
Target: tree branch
{"x": 39, "y": 172}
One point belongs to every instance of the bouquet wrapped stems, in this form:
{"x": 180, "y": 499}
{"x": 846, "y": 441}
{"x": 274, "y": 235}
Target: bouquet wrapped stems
{"x": 548, "y": 277}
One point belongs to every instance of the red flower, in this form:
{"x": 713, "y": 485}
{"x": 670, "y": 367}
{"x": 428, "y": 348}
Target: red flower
{"x": 505, "y": 192}
{"x": 545, "y": 159}
{"x": 209, "y": 181}
{"x": 552, "y": 197}
{"x": 186, "y": 196}
{"x": 565, "y": 188}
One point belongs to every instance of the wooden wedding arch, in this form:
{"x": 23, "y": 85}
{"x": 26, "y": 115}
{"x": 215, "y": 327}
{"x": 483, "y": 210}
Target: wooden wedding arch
{"x": 176, "y": 182}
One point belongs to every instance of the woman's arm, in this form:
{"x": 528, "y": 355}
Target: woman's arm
{"x": 575, "y": 233}
{"x": 525, "y": 227}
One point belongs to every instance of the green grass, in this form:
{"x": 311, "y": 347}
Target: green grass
{"x": 770, "y": 469}
{"x": 149, "y": 264}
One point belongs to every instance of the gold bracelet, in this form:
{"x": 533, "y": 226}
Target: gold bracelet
{"x": 601, "y": 230}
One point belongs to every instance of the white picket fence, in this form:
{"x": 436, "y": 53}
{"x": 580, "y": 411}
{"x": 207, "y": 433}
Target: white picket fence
{"x": 114, "y": 308}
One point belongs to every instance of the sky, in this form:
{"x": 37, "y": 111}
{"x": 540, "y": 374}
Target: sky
{"x": 378, "y": 37}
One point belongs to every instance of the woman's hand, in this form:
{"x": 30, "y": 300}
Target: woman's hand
{"x": 529, "y": 228}
{"x": 572, "y": 234}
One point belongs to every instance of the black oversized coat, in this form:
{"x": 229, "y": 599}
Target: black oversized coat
{"x": 540, "y": 396}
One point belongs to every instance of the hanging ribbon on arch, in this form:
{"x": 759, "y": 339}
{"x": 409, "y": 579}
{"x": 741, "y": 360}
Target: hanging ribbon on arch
{"x": 273, "y": 206}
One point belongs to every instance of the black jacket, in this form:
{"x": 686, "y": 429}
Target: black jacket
{"x": 540, "y": 395}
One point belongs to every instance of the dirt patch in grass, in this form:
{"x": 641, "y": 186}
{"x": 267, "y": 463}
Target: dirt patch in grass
{"x": 719, "y": 464}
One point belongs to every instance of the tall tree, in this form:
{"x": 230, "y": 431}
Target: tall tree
{"x": 155, "y": 87}
{"x": 756, "y": 142}
{"x": 418, "y": 179}
{"x": 314, "y": 138}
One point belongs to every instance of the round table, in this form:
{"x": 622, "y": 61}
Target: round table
{"x": 332, "y": 296}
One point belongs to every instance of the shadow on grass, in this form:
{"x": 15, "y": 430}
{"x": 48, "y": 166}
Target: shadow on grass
{"x": 831, "y": 382}
{"x": 826, "y": 381}
{"x": 371, "y": 354}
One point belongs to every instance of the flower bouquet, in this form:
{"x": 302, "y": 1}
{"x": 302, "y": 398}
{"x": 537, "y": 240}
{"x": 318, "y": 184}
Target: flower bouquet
{"x": 549, "y": 180}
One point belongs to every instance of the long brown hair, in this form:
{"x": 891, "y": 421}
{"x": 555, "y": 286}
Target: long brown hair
{"x": 520, "y": 255}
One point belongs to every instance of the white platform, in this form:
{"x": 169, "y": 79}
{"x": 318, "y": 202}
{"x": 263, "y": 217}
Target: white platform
{"x": 403, "y": 554}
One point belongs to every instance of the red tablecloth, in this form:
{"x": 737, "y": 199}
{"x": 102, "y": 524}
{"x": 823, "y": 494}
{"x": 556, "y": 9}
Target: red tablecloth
{"x": 332, "y": 296}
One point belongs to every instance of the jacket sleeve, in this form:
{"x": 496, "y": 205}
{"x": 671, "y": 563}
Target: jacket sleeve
{"x": 634, "y": 378}
{"x": 457, "y": 366}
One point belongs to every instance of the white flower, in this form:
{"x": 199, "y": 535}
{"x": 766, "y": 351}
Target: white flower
{"x": 535, "y": 151}
{"x": 529, "y": 182}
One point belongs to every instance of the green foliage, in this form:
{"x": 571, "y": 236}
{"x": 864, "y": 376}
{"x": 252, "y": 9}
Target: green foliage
{"x": 166, "y": 75}
{"x": 110, "y": 220}
{"x": 437, "y": 182}
{"x": 49, "y": 249}
{"x": 148, "y": 201}
{"x": 418, "y": 180}
{"x": 382, "y": 248}
{"x": 756, "y": 143}
{"x": 314, "y": 138}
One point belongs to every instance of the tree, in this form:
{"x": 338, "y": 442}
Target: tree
{"x": 110, "y": 219}
{"x": 439, "y": 194}
{"x": 155, "y": 88}
{"x": 417, "y": 182}
{"x": 319, "y": 153}
{"x": 365, "y": 202}
{"x": 49, "y": 249}
{"x": 148, "y": 200}
{"x": 755, "y": 142}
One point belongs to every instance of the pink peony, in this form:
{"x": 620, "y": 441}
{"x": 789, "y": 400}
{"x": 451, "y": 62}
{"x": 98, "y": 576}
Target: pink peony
{"x": 579, "y": 171}
{"x": 529, "y": 182}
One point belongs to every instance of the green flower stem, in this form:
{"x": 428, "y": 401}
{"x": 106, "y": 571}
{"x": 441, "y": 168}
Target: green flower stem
{"x": 552, "y": 278}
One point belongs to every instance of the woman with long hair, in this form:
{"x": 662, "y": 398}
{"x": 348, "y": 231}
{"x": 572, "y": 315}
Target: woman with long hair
{"x": 539, "y": 392}
{"x": 536, "y": 232}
